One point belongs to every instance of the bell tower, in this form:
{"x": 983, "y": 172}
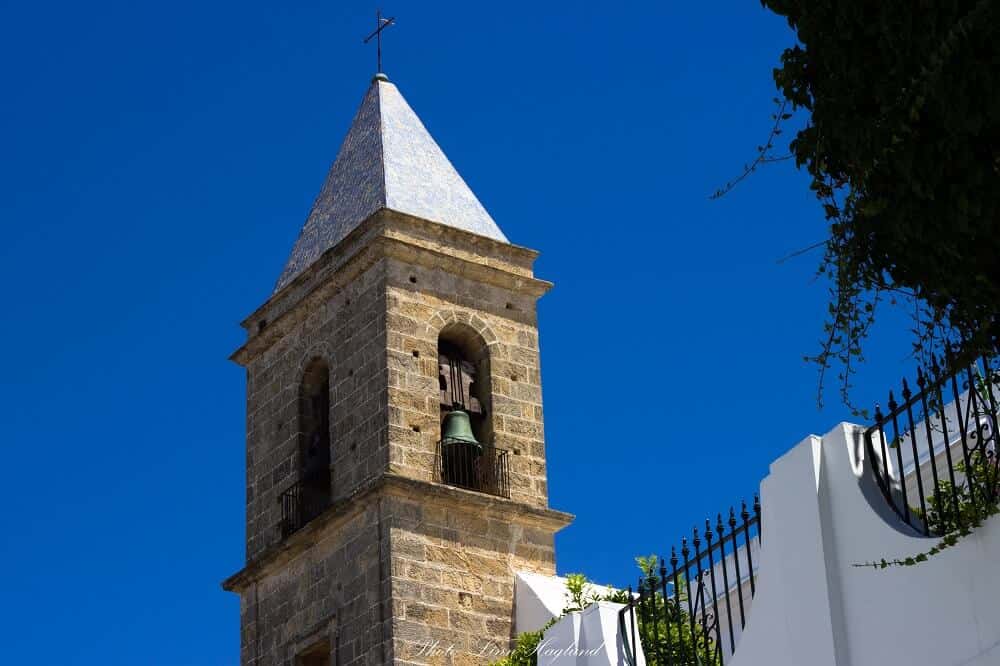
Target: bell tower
{"x": 395, "y": 466}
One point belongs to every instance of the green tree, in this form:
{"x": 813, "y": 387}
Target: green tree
{"x": 669, "y": 635}
{"x": 525, "y": 652}
{"x": 901, "y": 135}
{"x": 579, "y": 593}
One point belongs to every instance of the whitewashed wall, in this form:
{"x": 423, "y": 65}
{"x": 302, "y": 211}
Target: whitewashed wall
{"x": 539, "y": 598}
{"x": 822, "y": 515}
{"x": 591, "y": 637}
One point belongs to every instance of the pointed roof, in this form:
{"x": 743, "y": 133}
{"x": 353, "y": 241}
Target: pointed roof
{"x": 387, "y": 160}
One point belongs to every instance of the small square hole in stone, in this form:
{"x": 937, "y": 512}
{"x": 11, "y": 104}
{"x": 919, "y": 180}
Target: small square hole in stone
{"x": 416, "y": 428}
{"x": 413, "y": 279}
{"x": 416, "y": 354}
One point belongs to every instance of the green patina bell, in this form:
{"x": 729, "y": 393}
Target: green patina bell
{"x": 457, "y": 427}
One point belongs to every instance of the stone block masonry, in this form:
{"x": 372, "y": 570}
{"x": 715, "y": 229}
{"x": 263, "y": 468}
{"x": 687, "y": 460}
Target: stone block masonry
{"x": 400, "y": 568}
{"x": 453, "y": 558}
{"x": 347, "y": 330}
{"x": 414, "y": 320}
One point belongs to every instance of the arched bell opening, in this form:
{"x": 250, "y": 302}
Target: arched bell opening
{"x": 465, "y": 404}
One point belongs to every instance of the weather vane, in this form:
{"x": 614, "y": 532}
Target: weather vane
{"x": 380, "y": 25}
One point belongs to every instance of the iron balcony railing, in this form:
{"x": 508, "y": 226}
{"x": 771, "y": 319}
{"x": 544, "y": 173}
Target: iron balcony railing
{"x": 692, "y": 611}
{"x": 485, "y": 469}
{"x": 303, "y": 501}
{"x": 935, "y": 461}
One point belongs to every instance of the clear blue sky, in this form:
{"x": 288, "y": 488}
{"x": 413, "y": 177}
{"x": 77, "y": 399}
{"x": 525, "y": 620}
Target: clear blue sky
{"x": 157, "y": 162}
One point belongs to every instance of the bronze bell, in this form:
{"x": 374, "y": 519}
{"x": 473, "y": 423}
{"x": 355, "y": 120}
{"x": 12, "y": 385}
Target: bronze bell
{"x": 457, "y": 427}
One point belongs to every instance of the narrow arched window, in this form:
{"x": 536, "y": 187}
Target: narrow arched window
{"x": 314, "y": 437}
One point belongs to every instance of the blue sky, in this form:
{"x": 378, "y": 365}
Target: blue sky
{"x": 158, "y": 161}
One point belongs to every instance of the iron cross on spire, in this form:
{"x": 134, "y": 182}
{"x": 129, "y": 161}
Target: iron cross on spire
{"x": 380, "y": 25}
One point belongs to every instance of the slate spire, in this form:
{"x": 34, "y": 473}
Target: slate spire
{"x": 387, "y": 160}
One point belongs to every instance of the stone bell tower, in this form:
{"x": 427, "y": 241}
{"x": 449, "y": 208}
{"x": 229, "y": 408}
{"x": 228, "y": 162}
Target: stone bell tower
{"x": 372, "y": 537}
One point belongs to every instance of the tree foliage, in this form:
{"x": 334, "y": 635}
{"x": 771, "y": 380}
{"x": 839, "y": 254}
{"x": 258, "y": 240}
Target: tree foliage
{"x": 669, "y": 635}
{"x": 902, "y": 140}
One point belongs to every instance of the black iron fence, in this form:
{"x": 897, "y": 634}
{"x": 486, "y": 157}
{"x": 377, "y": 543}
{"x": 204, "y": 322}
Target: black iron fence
{"x": 691, "y": 609}
{"x": 934, "y": 453}
{"x": 304, "y": 500}
{"x": 485, "y": 469}
{"x": 934, "y": 456}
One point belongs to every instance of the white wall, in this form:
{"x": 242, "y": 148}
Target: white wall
{"x": 822, "y": 515}
{"x": 539, "y": 598}
{"x": 590, "y": 637}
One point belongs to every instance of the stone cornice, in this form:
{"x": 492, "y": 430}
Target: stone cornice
{"x": 363, "y": 248}
{"x": 385, "y": 221}
{"x": 393, "y": 485}
{"x": 429, "y": 258}
{"x": 287, "y": 317}
{"x": 494, "y": 507}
